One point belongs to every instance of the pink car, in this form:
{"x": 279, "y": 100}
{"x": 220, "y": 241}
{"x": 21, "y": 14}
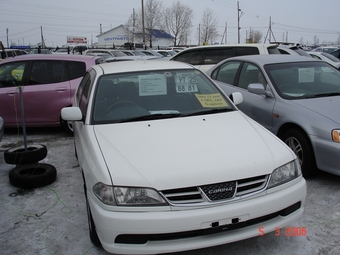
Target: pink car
{"x": 48, "y": 83}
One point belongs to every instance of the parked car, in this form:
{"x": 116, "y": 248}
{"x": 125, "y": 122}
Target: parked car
{"x": 133, "y": 52}
{"x": 9, "y": 53}
{"x": 1, "y": 128}
{"x": 177, "y": 49}
{"x": 297, "y": 101}
{"x": 152, "y": 53}
{"x": 205, "y": 57}
{"x": 101, "y": 55}
{"x": 48, "y": 83}
{"x": 170, "y": 164}
{"x": 167, "y": 53}
{"x": 113, "y": 53}
{"x": 292, "y": 50}
{"x": 327, "y": 57}
{"x": 37, "y": 51}
{"x": 327, "y": 49}
{"x": 336, "y": 53}
{"x": 71, "y": 49}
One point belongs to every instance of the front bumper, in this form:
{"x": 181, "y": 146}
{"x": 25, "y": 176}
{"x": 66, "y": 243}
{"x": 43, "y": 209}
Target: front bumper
{"x": 173, "y": 231}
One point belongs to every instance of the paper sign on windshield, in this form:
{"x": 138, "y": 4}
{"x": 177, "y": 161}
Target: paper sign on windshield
{"x": 306, "y": 75}
{"x": 185, "y": 82}
{"x": 153, "y": 84}
{"x": 211, "y": 100}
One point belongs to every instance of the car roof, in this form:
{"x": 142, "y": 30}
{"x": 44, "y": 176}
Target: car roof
{"x": 273, "y": 58}
{"x": 50, "y": 56}
{"x": 140, "y": 65}
{"x": 231, "y": 45}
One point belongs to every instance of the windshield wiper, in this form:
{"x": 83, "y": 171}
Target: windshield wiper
{"x": 329, "y": 94}
{"x": 150, "y": 117}
{"x": 209, "y": 111}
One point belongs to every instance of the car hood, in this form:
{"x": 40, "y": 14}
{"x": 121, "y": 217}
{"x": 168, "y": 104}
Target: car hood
{"x": 184, "y": 152}
{"x": 325, "y": 106}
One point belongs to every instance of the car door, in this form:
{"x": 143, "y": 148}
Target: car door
{"x": 45, "y": 90}
{"x": 258, "y": 107}
{"x": 11, "y": 79}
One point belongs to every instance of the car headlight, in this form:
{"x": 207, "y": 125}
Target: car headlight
{"x": 285, "y": 173}
{"x": 128, "y": 196}
{"x": 336, "y": 135}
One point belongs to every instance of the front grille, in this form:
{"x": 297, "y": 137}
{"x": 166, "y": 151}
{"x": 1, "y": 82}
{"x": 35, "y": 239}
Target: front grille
{"x": 216, "y": 191}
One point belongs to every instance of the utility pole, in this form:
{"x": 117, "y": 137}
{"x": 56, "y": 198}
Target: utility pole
{"x": 199, "y": 34}
{"x": 239, "y": 15}
{"x": 7, "y": 38}
{"x": 144, "y": 46}
{"x": 42, "y": 39}
{"x": 270, "y": 32}
{"x": 133, "y": 27}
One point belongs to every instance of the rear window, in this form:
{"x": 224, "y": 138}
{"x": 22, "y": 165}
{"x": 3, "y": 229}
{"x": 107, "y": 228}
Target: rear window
{"x": 213, "y": 56}
{"x": 273, "y": 50}
{"x": 242, "y": 51}
{"x": 75, "y": 69}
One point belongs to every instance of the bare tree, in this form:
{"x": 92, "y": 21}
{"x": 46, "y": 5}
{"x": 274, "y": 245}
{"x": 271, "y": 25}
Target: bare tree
{"x": 130, "y": 27}
{"x": 254, "y": 36}
{"x": 178, "y": 22}
{"x": 208, "y": 27}
{"x": 153, "y": 17}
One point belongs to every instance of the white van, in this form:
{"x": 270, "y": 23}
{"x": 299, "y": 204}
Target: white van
{"x": 205, "y": 57}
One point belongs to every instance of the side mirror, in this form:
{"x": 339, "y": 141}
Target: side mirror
{"x": 71, "y": 114}
{"x": 236, "y": 97}
{"x": 256, "y": 88}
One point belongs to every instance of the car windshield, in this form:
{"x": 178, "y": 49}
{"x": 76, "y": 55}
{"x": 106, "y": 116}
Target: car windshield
{"x": 330, "y": 56}
{"x": 304, "y": 79}
{"x": 139, "y": 96}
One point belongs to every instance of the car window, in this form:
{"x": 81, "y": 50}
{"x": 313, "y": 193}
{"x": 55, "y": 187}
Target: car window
{"x": 227, "y": 72}
{"x": 83, "y": 92}
{"x": 304, "y": 79}
{"x": 273, "y": 50}
{"x": 193, "y": 57}
{"x": 46, "y": 72}
{"x": 11, "y": 74}
{"x": 250, "y": 73}
{"x": 76, "y": 69}
{"x": 120, "y": 97}
{"x": 242, "y": 51}
{"x": 213, "y": 56}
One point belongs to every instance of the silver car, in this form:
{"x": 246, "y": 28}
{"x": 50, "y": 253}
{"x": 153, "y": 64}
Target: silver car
{"x": 297, "y": 98}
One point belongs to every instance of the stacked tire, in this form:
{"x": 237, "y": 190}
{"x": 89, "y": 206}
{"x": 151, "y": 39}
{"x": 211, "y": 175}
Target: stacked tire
{"x": 28, "y": 172}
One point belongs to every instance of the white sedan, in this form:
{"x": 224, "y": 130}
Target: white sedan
{"x": 170, "y": 164}
{"x": 328, "y": 58}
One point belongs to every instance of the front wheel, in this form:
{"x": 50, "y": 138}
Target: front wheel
{"x": 300, "y": 145}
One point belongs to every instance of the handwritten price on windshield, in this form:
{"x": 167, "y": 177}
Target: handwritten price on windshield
{"x": 289, "y": 231}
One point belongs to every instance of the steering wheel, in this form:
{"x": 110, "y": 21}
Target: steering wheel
{"x": 120, "y": 103}
{"x": 284, "y": 86}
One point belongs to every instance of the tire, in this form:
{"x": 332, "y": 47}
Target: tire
{"x": 68, "y": 126}
{"x": 18, "y": 155}
{"x": 32, "y": 175}
{"x": 301, "y": 146}
{"x": 92, "y": 227}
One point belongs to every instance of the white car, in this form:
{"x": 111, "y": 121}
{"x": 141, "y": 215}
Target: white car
{"x": 205, "y": 57}
{"x": 328, "y": 58}
{"x": 170, "y": 164}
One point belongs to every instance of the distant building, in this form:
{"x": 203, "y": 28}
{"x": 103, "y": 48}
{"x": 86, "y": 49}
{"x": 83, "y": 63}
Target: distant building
{"x": 118, "y": 37}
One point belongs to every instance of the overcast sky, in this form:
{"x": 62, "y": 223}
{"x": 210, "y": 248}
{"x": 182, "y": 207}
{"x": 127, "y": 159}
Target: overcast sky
{"x": 292, "y": 20}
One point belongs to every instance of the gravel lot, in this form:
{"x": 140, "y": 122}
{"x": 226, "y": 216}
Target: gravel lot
{"x": 53, "y": 220}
